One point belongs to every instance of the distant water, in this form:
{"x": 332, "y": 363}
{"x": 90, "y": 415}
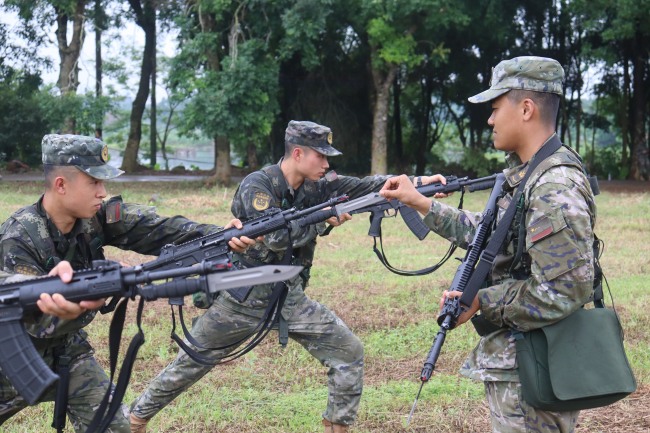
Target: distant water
{"x": 204, "y": 160}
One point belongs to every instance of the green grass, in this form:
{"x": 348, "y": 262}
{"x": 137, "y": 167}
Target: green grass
{"x": 283, "y": 390}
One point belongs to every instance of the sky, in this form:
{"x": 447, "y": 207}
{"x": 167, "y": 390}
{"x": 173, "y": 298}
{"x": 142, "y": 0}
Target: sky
{"x": 126, "y": 40}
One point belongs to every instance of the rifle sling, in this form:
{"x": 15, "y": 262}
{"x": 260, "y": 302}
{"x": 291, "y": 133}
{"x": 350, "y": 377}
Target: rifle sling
{"x": 113, "y": 398}
{"x": 272, "y": 313}
{"x": 486, "y": 259}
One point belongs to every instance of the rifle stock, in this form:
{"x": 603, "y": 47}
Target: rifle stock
{"x": 20, "y": 361}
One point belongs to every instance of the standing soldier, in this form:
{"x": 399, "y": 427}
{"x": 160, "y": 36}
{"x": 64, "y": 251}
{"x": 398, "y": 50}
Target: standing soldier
{"x": 298, "y": 180}
{"x": 72, "y": 222}
{"x": 545, "y": 269}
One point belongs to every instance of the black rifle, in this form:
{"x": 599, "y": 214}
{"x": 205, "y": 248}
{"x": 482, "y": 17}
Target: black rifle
{"x": 453, "y": 307}
{"x": 215, "y": 245}
{"x": 20, "y": 361}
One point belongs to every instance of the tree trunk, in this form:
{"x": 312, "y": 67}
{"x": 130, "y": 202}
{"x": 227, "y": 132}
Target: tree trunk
{"x": 69, "y": 53}
{"x": 221, "y": 144}
{"x": 625, "y": 109}
{"x": 99, "y": 23}
{"x": 153, "y": 117}
{"x": 251, "y": 157}
{"x": 401, "y": 163}
{"x": 382, "y": 82}
{"x": 145, "y": 18}
{"x": 221, "y": 161}
{"x": 639, "y": 169}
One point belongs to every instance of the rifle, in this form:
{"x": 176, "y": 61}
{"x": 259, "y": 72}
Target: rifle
{"x": 20, "y": 361}
{"x": 214, "y": 246}
{"x": 453, "y": 308}
{"x": 381, "y": 208}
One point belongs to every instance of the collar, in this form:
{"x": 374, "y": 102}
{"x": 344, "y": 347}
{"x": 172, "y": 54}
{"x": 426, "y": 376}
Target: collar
{"x": 516, "y": 169}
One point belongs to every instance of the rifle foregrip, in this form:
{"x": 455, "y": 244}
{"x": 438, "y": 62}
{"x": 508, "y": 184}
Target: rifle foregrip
{"x": 481, "y": 185}
{"x": 413, "y": 221}
{"x": 174, "y": 289}
{"x": 316, "y": 217}
{"x": 19, "y": 360}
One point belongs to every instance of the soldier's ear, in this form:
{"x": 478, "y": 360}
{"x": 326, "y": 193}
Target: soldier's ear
{"x": 59, "y": 185}
{"x": 297, "y": 153}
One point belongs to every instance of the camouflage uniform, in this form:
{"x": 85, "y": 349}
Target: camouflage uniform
{"x": 310, "y": 323}
{"x": 30, "y": 243}
{"x": 553, "y": 278}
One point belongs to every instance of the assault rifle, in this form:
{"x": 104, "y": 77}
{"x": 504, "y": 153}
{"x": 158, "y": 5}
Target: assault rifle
{"x": 454, "y": 307}
{"x": 20, "y": 361}
{"x": 381, "y": 208}
{"x": 215, "y": 245}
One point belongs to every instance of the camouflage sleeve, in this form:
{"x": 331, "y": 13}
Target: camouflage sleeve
{"x": 357, "y": 187}
{"x": 453, "y": 224}
{"x": 19, "y": 257}
{"x": 255, "y": 197}
{"x": 559, "y": 239}
{"x": 139, "y": 228}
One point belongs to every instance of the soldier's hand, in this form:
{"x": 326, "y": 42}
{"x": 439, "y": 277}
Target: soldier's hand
{"x": 57, "y": 305}
{"x": 436, "y": 178}
{"x": 402, "y": 189}
{"x": 466, "y": 315}
{"x": 337, "y": 221}
{"x": 239, "y": 244}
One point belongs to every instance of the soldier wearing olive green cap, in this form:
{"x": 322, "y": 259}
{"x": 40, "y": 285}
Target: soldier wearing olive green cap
{"x": 545, "y": 269}
{"x": 72, "y": 222}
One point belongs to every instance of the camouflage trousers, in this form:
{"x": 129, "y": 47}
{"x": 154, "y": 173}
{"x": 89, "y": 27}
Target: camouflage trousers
{"x": 310, "y": 324}
{"x": 87, "y": 386}
{"x": 511, "y": 414}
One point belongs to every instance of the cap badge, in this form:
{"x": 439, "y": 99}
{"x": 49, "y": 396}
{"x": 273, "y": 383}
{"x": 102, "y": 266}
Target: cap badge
{"x": 104, "y": 154}
{"x": 329, "y": 138}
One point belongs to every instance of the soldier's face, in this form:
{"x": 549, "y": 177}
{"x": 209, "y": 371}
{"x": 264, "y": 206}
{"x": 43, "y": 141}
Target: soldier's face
{"x": 313, "y": 165}
{"x": 505, "y": 122}
{"x": 84, "y": 195}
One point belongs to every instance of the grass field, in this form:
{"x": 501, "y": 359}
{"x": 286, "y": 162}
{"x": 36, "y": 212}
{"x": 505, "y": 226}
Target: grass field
{"x": 283, "y": 390}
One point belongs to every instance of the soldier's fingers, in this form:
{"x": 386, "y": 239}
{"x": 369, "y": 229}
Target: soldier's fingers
{"x": 92, "y": 305}
{"x": 237, "y": 245}
{"x": 63, "y": 270}
{"x": 248, "y": 241}
{"x": 438, "y": 178}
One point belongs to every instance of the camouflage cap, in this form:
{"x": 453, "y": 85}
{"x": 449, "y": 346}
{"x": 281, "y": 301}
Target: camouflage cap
{"x": 88, "y": 154}
{"x": 311, "y": 134}
{"x": 539, "y": 74}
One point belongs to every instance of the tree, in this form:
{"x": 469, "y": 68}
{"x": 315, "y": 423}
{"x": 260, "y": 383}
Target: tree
{"x": 227, "y": 76}
{"x": 38, "y": 15}
{"x": 145, "y": 17}
{"x": 619, "y": 36}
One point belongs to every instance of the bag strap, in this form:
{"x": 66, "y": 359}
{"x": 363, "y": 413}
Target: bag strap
{"x": 493, "y": 247}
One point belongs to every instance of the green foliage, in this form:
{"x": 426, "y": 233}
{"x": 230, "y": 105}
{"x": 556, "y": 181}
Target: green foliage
{"x": 239, "y": 101}
{"x": 394, "y": 46}
{"x": 86, "y": 109}
{"x": 22, "y": 118}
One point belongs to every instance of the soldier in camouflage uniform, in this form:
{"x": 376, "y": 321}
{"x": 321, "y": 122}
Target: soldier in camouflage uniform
{"x": 297, "y": 180}
{"x": 553, "y": 236}
{"x": 72, "y": 222}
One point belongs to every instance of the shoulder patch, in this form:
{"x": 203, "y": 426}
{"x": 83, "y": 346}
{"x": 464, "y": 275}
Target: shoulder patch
{"x": 26, "y": 270}
{"x": 540, "y": 229}
{"x": 261, "y": 201}
{"x": 114, "y": 211}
